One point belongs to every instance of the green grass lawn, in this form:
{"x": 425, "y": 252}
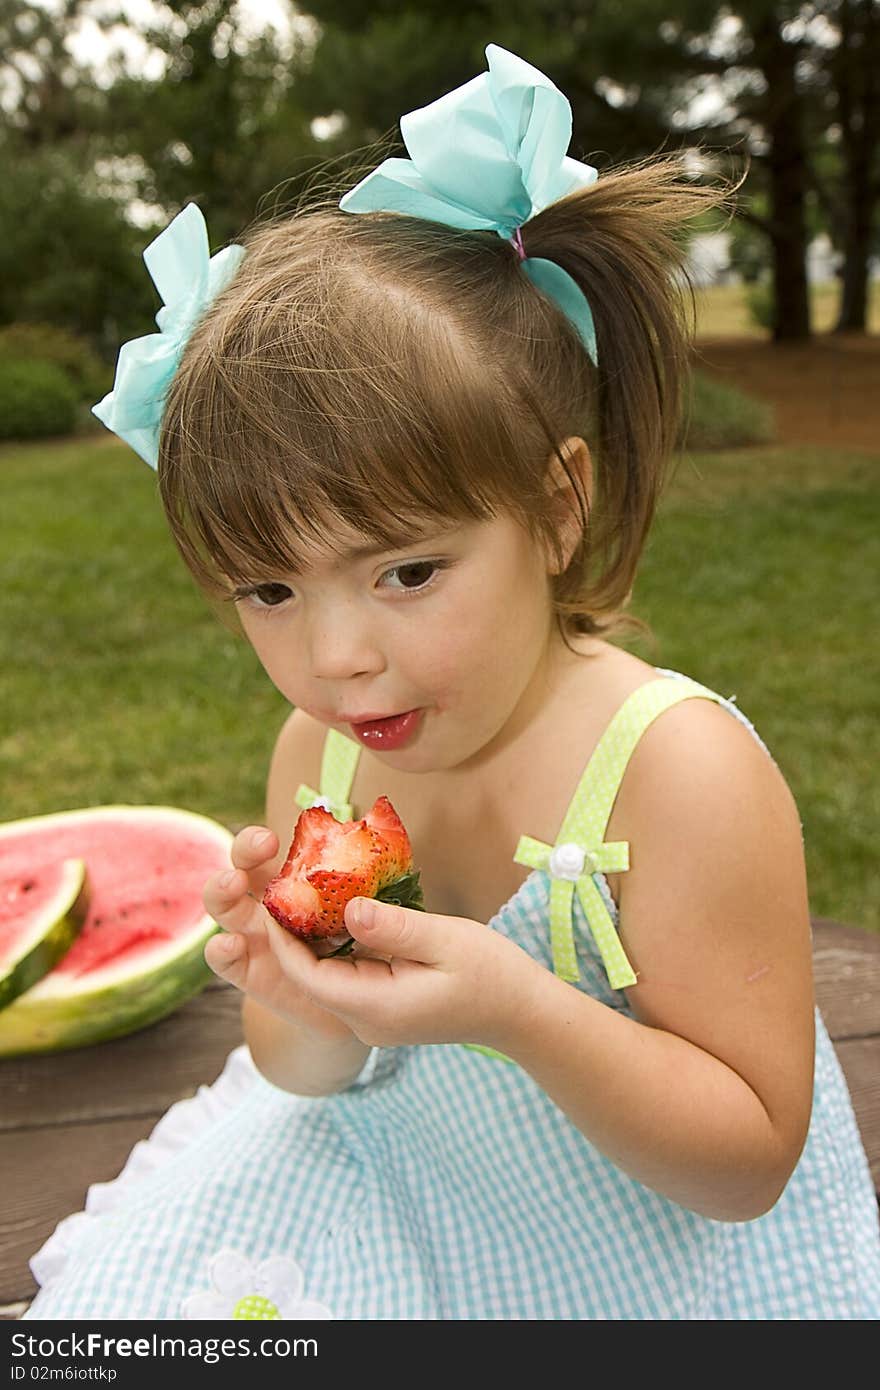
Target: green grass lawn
{"x": 119, "y": 684}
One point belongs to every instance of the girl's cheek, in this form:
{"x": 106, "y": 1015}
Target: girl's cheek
{"x": 281, "y": 665}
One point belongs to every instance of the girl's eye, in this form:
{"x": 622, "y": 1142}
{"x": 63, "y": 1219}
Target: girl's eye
{"x": 416, "y": 575}
{"x": 266, "y": 595}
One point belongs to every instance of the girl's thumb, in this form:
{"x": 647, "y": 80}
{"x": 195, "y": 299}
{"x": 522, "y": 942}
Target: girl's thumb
{"x": 400, "y": 931}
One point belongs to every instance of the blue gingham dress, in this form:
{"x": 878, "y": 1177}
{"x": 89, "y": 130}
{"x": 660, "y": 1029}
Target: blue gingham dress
{"x": 445, "y": 1184}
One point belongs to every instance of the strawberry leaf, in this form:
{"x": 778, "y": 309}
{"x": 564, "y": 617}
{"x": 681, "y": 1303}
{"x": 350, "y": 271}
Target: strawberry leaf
{"x": 405, "y": 891}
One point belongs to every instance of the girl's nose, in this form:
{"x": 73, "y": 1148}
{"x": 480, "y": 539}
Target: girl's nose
{"x": 340, "y": 645}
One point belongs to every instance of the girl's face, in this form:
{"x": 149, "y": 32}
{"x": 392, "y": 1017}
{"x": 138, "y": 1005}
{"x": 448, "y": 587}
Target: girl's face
{"x": 458, "y": 625}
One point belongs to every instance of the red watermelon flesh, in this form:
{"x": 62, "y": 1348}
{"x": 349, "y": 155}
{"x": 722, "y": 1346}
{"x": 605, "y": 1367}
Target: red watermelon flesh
{"x": 40, "y": 915}
{"x": 140, "y": 951}
{"x": 144, "y": 888}
{"x": 22, "y": 893}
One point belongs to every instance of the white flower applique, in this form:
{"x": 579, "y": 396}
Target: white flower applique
{"x": 242, "y": 1289}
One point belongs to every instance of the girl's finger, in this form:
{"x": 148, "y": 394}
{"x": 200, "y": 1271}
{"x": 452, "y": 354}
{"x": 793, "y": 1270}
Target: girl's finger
{"x": 227, "y": 898}
{"x": 342, "y": 984}
{"x": 296, "y": 959}
{"x": 393, "y": 931}
{"x": 226, "y": 954}
{"x": 255, "y": 848}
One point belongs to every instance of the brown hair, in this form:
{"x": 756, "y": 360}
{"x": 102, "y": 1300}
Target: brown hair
{"x": 379, "y": 367}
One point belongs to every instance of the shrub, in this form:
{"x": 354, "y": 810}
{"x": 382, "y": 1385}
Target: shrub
{"x": 36, "y": 399}
{"x": 761, "y": 304}
{"x": 719, "y": 416}
{"x": 45, "y": 342}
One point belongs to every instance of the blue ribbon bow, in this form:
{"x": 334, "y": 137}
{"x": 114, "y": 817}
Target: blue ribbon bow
{"x": 489, "y": 155}
{"x": 188, "y": 278}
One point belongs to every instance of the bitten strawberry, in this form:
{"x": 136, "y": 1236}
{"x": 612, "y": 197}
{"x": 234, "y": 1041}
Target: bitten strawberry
{"x": 330, "y": 862}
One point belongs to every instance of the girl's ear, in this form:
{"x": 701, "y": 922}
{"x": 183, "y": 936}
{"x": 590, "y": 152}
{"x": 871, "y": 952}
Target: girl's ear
{"x": 564, "y": 497}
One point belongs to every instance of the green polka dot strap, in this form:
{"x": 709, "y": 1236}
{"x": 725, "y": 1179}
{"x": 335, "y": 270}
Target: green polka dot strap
{"x": 581, "y": 851}
{"x": 338, "y": 764}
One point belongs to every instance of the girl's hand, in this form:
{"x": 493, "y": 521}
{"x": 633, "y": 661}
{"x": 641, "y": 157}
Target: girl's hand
{"x": 428, "y": 979}
{"x": 243, "y": 953}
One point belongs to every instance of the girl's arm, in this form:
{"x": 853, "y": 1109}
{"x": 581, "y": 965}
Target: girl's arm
{"x": 706, "y": 1095}
{"x": 297, "y": 1061}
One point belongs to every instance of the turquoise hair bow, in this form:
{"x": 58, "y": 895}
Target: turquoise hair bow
{"x": 188, "y": 278}
{"x": 489, "y": 155}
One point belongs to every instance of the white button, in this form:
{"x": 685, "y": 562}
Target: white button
{"x": 567, "y": 861}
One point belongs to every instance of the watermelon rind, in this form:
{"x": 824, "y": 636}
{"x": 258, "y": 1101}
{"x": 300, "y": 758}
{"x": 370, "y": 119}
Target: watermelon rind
{"x": 41, "y": 1021}
{"x": 49, "y": 936}
{"x": 57, "y": 1014}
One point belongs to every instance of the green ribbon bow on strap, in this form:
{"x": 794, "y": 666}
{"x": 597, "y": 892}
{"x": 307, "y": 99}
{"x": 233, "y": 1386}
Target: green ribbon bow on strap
{"x": 338, "y": 763}
{"x": 307, "y": 797}
{"x": 489, "y": 155}
{"x": 571, "y": 867}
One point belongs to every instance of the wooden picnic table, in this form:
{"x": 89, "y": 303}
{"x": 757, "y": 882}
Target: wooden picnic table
{"x": 70, "y": 1119}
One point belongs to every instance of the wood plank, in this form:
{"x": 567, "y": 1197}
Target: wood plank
{"x": 142, "y": 1073}
{"x": 860, "y": 1059}
{"x": 10, "y": 1311}
{"x": 846, "y": 970}
{"x": 43, "y": 1181}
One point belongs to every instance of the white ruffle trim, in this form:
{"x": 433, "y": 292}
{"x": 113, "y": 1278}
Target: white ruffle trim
{"x": 182, "y": 1122}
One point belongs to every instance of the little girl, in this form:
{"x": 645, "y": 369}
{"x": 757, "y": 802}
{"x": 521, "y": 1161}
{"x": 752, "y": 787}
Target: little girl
{"x": 418, "y": 451}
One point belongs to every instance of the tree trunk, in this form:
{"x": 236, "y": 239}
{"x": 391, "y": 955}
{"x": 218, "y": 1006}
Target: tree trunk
{"x": 853, "y": 316}
{"x": 858, "y": 96}
{"x": 787, "y": 171}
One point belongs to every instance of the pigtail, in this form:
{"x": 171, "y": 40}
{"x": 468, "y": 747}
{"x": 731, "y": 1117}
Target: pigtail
{"x": 621, "y": 241}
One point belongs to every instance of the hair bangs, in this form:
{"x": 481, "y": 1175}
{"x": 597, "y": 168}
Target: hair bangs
{"x": 380, "y": 374}
{"x": 298, "y": 421}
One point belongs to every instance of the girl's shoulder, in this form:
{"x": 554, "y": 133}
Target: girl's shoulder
{"x": 697, "y": 744}
{"x": 703, "y": 800}
{"x": 695, "y": 732}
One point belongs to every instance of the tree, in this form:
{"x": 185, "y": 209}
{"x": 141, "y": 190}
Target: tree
{"x": 232, "y": 121}
{"x": 48, "y": 97}
{"x": 221, "y": 126}
{"x": 785, "y": 73}
{"x": 630, "y": 72}
{"x": 67, "y": 254}
{"x": 855, "y": 78}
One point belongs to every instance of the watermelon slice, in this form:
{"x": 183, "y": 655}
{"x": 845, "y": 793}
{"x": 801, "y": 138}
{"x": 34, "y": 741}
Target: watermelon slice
{"x": 40, "y": 914}
{"x": 139, "y": 953}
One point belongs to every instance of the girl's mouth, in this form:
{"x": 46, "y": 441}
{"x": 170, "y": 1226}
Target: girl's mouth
{"x": 388, "y": 733}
